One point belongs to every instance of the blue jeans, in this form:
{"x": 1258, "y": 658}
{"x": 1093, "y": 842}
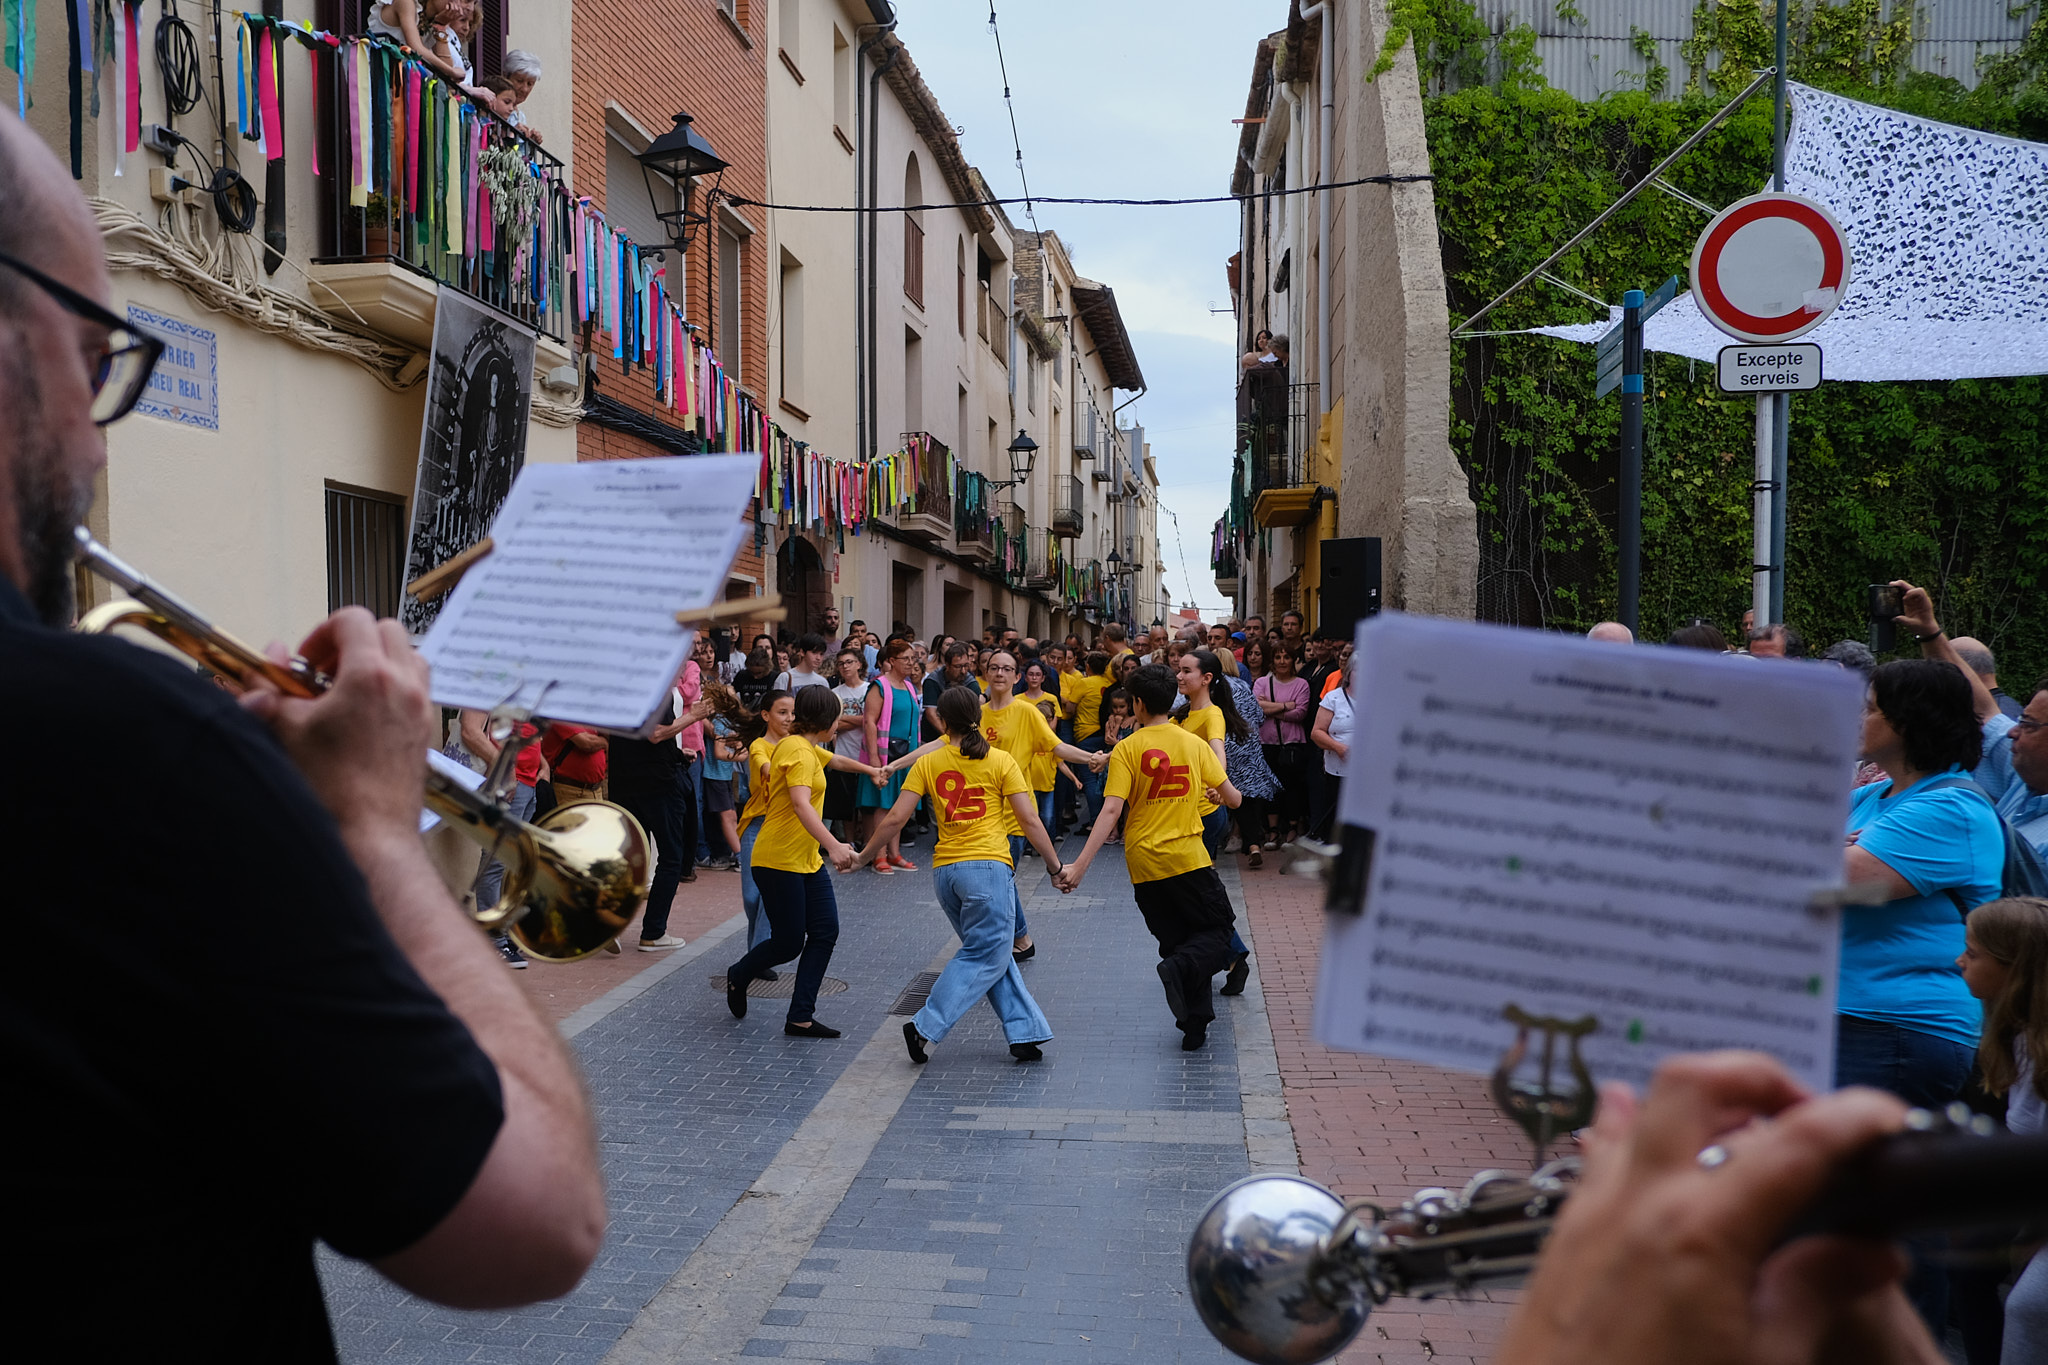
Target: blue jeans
{"x": 750, "y": 894}
{"x": 490, "y": 881}
{"x": 803, "y": 917}
{"x": 977, "y": 897}
{"x": 1045, "y": 809}
{"x": 1922, "y": 1070}
{"x": 697, "y": 804}
{"x": 1091, "y": 781}
{"x": 1018, "y": 843}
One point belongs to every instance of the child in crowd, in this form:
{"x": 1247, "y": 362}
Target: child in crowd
{"x": 1164, "y": 774}
{"x": 2005, "y": 965}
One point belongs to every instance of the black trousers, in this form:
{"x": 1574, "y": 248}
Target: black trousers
{"x": 669, "y": 815}
{"x": 1191, "y": 917}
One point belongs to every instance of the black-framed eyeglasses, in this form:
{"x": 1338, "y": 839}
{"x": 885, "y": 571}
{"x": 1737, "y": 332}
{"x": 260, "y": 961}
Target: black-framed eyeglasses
{"x": 127, "y": 358}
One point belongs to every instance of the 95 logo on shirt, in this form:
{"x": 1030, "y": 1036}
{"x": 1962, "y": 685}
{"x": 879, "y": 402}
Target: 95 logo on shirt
{"x": 957, "y": 800}
{"x": 1169, "y": 779}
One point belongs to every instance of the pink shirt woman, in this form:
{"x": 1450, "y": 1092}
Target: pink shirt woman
{"x": 1284, "y": 696}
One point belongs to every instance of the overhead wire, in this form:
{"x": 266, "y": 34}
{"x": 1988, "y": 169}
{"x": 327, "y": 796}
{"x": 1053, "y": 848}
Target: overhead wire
{"x": 1027, "y": 200}
{"x": 1016, "y": 142}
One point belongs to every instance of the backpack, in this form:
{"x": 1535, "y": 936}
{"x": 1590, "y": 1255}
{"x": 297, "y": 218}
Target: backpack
{"x": 2023, "y": 874}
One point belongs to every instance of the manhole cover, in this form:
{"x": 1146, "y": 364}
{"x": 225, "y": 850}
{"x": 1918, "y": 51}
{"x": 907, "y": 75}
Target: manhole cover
{"x": 758, "y": 989}
{"x": 915, "y": 994}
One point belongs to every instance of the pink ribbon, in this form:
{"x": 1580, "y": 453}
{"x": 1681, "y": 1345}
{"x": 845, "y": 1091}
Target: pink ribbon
{"x": 131, "y": 73}
{"x": 266, "y": 96}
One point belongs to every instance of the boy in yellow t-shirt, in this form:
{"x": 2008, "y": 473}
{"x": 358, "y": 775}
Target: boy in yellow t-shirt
{"x": 1164, "y": 774}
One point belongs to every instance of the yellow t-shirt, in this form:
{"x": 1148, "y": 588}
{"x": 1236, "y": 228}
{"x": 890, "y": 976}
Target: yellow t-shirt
{"x": 1205, "y": 724}
{"x": 757, "y": 781}
{"x": 972, "y": 799}
{"x": 1086, "y": 694}
{"x": 784, "y": 845}
{"x": 1040, "y": 770}
{"x": 1161, "y": 772}
{"x": 1020, "y": 731}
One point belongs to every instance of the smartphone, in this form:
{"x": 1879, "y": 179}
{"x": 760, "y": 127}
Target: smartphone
{"x": 1886, "y": 601}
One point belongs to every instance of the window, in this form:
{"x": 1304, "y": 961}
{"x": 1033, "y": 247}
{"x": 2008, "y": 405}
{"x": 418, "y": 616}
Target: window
{"x": 790, "y": 329}
{"x": 960, "y": 421}
{"x": 960, "y": 285}
{"x": 913, "y": 234}
{"x": 628, "y": 208}
{"x": 1030, "y": 378}
{"x": 732, "y": 260}
{"x": 365, "y": 548}
{"x": 489, "y": 56}
{"x": 789, "y": 23}
{"x": 913, "y": 381}
{"x": 842, "y": 82}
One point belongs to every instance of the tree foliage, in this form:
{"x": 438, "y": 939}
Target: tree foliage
{"x": 1940, "y": 483}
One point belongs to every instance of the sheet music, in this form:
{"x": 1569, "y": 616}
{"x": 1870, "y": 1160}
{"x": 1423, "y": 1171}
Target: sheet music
{"x": 447, "y": 767}
{"x": 572, "y": 614}
{"x": 1584, "y": 828}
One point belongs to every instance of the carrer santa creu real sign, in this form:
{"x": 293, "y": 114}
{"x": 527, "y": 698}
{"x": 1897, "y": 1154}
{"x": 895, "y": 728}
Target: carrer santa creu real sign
{"x": 1770, "y": 268}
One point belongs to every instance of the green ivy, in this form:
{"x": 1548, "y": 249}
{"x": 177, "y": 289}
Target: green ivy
{"x": 1941, "y": 483}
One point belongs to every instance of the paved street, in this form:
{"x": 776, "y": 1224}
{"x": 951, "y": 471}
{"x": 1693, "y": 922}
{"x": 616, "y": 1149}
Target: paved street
{"x": 782, "y": 1199}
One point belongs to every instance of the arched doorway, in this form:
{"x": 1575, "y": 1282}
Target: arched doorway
{"x": 806, "y": 586}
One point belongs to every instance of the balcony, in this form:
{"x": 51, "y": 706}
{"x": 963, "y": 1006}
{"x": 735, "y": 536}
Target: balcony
{"x": 389, "y": 242}
{"x": 928, "y": 514}
{"x": 1010, "y": 532}
{"x": 971, "y": 517}
{"x": 1277, "y": 428}
{"x": 1041, "y": 568}
{"x": 1068, "y": 516}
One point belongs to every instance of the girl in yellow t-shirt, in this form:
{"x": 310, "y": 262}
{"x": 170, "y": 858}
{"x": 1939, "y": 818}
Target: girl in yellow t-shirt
{"x": 973, "y": 789}
{"x": 1197, "y": 672}
{"x": 788, "y": 866}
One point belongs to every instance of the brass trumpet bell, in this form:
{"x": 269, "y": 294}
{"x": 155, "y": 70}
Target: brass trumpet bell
{"x": 1259, "y": 1271}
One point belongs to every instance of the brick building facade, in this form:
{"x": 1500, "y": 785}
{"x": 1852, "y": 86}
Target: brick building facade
{"x": 637, "y": 63}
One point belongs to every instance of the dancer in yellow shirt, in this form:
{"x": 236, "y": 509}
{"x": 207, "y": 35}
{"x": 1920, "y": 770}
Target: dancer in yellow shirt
{"x": 977, "y": 792}
{"x": 1163, "y": 774}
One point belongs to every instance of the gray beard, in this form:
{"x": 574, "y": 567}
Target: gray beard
{"x": 46, "y": 508}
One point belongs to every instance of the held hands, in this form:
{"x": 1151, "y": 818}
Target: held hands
{"x": 1214, "y": 796}
{"x": 1098, "y": 761}
{"x": 1659, "y": 1258}
{"x": 881, "y": 773}
{"x": 1068, "y": 877}
{"x": 362, "y": 743}
{"x": 843, "y": 857}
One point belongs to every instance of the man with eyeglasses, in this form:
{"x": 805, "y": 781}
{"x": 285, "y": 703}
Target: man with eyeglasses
{"x": 281, "y": 1027}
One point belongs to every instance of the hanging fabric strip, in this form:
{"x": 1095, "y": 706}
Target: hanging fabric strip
{"x": 80, "y": 61}
{"x": 358, "y": 57}
{"x": 412, "y": 138}
{"x": 242, "y": 124}
{"x": 266, "y": 96}
{"x": 20, "y": 48}
{"x": 313, "y": 55}
{"x": 131, "y": 84}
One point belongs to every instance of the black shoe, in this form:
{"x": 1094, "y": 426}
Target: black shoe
{"x": 769, "y": 974}
{"x": 689, "y": 876}
{"x": 1026, "y": 1052}
{"x": 1025, "y": 954}
{"x": 1193, "y": 1037}
{"x": 1175, "y": 1000}
{"x": 736, "y": 994}
{"x": 813, "y": 1029}
{"x": 1240, "y": 972}
{"x": 915, "y": 1041}
{"x": 509, "y": 950}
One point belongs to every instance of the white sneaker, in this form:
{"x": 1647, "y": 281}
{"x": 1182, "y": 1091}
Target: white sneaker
{"x": 655, "y": 945}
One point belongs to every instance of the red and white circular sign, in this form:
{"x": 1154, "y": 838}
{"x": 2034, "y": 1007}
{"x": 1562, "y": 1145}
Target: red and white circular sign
{"x": 1770, "y": 267}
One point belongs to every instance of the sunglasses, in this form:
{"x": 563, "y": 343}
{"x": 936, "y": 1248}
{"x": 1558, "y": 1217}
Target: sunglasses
{"x": 126, "y": 359}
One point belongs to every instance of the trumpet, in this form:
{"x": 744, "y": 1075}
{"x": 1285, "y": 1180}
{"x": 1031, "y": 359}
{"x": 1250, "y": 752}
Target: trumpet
{"x": 1283, "y": 1272}
{"x": 572, "y": 879}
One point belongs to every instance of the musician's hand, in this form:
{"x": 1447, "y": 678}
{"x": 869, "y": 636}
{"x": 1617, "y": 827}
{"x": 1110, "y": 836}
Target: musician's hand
{"x": 1659, "y": 1258}
{"x": 362, "y": 745}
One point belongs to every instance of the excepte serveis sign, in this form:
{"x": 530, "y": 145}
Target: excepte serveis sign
{"x": 185, "y": 386}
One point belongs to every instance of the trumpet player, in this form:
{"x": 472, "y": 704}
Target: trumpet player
{"x": 273, "y": 1024}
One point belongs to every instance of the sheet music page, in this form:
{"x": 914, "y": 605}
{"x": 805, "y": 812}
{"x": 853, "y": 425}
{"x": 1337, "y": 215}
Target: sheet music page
{"x": 1582, "y": 828}
{"x": 577, "y": 599}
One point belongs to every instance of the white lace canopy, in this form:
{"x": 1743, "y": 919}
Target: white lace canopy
{"x": 1948, "y": 235}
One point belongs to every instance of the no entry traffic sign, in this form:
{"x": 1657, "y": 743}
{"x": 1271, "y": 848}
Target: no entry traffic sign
{"x": 1770, "y": 267}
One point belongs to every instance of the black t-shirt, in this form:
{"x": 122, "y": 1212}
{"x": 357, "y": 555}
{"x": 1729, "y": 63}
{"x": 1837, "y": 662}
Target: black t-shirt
{"x": 215, "y": 1053}
{"x": 752, "y": 689}
{"x": 646, "y": 764}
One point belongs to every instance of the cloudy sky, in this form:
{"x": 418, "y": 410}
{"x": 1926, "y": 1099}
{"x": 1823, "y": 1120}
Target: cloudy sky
{"x": 1125, "y": 99}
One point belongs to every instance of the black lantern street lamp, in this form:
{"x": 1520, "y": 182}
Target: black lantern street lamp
{"x": 1023, "y": 451}
{"x": 681, "y": 155}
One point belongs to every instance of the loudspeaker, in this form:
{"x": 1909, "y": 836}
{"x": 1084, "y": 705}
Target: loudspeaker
{"x": 1350, "y": 589}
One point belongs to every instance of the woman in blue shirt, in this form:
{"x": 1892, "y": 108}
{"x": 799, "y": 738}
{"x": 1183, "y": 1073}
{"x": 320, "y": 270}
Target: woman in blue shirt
{"x": 1931, "y": 842}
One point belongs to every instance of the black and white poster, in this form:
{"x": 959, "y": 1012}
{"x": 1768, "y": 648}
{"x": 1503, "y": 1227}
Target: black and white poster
{"x": 472, "y": 441}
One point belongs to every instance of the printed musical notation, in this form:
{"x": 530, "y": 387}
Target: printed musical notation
{"x": 572, "y": 615}
{"x": 1585, "y": 829}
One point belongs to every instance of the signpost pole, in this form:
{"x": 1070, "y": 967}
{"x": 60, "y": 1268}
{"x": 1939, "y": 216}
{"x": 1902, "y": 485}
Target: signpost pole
{"x": 1631, "y": 528}
{"x": 1761, "y": 489}
{"x": 1781, "y": 403}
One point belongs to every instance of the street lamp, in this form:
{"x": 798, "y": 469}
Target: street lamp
{"x": 1023, "y": 451}
{"x": 680, "y": 156}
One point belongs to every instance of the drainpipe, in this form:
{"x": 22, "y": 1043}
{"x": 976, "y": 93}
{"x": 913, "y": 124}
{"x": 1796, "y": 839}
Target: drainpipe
{"x": 863, "y": 241}
{"x": 1328, "y": 45}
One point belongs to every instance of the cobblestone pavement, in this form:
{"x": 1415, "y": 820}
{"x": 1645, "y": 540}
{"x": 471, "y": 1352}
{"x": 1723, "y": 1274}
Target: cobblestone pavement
{"x": 802, "y": 1201}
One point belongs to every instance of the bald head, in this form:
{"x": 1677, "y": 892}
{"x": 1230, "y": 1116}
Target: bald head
{"x": 1974, "y": 653}
{"x": 1612, "y": 632}
{"x": 50, "y": 450}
